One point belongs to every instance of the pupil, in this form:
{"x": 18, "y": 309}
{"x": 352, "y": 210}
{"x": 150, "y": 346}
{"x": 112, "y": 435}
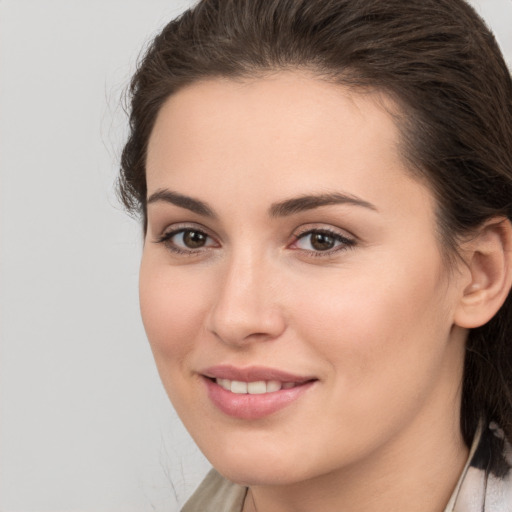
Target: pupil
{"x": 194, "y": 239}
{"x": 322, "y": 242}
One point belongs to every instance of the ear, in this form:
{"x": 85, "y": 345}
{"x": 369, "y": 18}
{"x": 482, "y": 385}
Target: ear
{"x": 488, "y": 256}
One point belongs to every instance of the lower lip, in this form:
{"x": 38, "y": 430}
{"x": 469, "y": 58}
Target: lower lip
{"x": 253, "y": 407}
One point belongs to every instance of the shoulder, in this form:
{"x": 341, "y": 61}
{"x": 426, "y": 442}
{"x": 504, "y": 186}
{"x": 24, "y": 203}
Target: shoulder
{"x": 216, "y": 494}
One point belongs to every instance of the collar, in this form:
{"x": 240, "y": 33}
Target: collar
{"x": 485, "y": 484}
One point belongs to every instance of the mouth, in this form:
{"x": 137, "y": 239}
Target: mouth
{"x": 258, "y": 387}
{"x": 253, "y": 393}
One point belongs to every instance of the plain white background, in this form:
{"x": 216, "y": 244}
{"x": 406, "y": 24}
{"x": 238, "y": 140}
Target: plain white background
{"x": 84, "y": 423}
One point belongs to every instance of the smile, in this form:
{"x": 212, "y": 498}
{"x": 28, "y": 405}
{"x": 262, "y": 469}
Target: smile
{"x": 253, "y": 393}
{"x": 258, "y": 387}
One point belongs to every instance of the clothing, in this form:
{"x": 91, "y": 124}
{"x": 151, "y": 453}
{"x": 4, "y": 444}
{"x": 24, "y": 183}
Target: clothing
{"x": 485, "y": 484}
{"x": 216, "y": 494}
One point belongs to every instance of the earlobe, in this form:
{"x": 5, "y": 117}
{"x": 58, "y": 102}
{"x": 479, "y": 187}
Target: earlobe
{"x": 489, "y": 260}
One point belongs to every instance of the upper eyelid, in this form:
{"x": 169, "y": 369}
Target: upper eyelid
{"x": 326, "y": 228}
{"x": 184, "y": 226}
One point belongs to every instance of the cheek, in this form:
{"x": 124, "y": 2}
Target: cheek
{"x": 391, "y": 321}
{"x": 171, "y": 309}
{"x": 384, "y": 337}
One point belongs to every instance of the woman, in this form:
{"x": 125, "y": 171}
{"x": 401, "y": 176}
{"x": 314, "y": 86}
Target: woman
{"x": 326, "y": 194}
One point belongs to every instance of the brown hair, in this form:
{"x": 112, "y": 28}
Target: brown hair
{"x": 437, "y": 60}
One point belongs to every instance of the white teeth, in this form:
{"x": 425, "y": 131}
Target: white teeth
{"x": 224, "y": 383}
{"x": 238, "y": 387}
{"x": 254, "y": 388}
{"x": 273, "y": 385}
{"x": 257, "y": 388}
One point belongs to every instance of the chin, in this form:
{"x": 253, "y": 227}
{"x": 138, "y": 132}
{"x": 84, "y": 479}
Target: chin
{"x": 258, "y": 465}
{"x": 244, "y": 474}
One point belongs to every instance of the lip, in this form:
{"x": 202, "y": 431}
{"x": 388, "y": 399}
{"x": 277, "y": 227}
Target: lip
{"x": 253, "y": 373}
{"x": 253, "y": 407}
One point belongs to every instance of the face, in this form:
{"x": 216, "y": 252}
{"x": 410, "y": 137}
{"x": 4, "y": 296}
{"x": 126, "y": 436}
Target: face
{"x": 292, "y": 285}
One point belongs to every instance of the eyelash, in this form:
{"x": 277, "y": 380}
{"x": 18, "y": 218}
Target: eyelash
{"x": 344, "y": 242}
{"x": 166, "y": 240}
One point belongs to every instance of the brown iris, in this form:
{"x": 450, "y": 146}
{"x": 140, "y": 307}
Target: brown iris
{"x": 322, "y": 241}
{"x": 194, "y": 239}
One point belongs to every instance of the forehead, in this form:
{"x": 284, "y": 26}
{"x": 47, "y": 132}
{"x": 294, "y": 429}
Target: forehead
{"x": 283, "y": 134}
{"x": 282, "y": 108}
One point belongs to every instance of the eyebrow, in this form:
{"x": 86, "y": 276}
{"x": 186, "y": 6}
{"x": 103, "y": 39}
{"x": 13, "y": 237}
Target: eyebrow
{"x": 309, "y": 202}
{"x": 280, "y": 209}
{"x": 189, "y": 203}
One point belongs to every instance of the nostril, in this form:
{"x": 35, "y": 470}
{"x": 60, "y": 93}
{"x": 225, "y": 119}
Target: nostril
{"x": 245, "y": 326}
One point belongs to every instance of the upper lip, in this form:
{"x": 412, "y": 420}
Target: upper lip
{"x": 253, "y": 374}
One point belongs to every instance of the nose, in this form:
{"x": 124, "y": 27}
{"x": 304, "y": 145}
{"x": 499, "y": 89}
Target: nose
{"x": 246, "y": 306}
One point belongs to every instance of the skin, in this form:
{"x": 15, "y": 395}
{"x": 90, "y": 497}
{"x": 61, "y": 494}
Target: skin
{"x": 374, "y": 321}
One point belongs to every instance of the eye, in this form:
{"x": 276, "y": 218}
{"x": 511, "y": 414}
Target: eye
{"x": 186, "y": 240}
{"x": 190, "y": 239}
{"x": 322, "y": 241}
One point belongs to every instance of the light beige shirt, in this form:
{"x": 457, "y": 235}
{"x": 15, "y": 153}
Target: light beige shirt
{"x": 485, "y": 484}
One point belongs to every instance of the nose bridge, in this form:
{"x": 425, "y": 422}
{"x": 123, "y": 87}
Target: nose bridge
{"x": 245, "y": 306}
